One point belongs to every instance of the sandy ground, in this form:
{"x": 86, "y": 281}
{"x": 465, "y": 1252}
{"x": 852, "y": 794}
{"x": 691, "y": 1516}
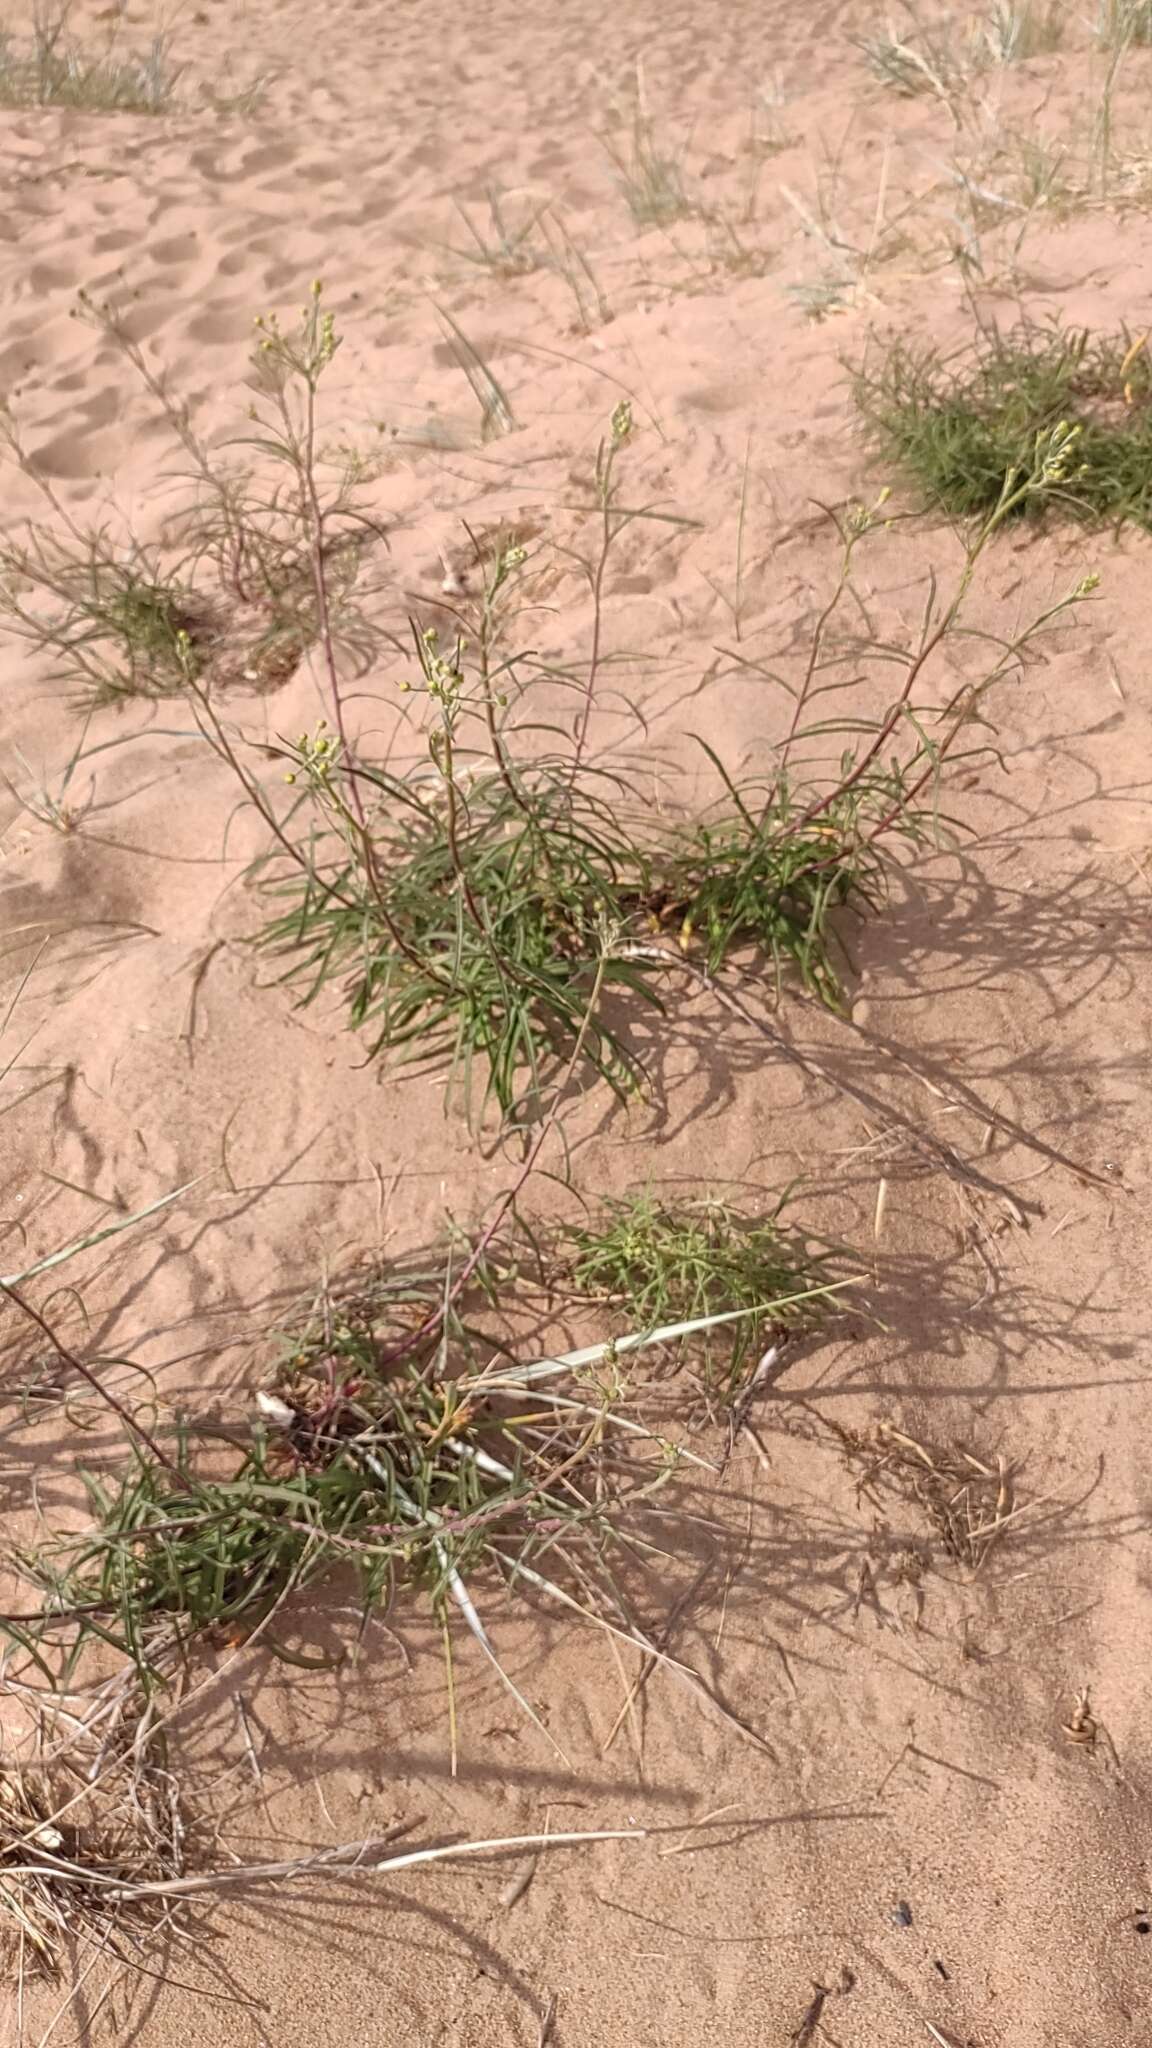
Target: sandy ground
{"x": 911, "y": 1826}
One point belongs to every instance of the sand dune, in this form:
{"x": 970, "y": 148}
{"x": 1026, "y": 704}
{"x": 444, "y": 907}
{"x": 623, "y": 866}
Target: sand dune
{"x": 913, "y": 1827}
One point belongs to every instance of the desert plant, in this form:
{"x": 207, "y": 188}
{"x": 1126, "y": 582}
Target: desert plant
{"x": 961, "y": 426}
{"x": 753, "y": 873}
{"x": 573, "y": 264}
{"x": 276, "y": 518}
{"x": 1014, "y": 30}
{"x": 115, "y": 618}
{"x": 666, "y": 1262}
{"x": 496, "y": 415}
{"x": 378, "y": 1444}
{"x": 488, "y": 906}
{"x": 51, "y": 67}
{"x": 65, "y": 1853}
{"x": 270, "y": 547}
{"x": 53, "y": 798}
{"x": 1120, "y": 23}
{"x": 469, "y": 910}
{"x": 51, "y": 802}
{"x": 915, "y": 60}
{"x": 851, "y": 249}
{"x": 648, "y": 173}
{"x": 502, "y": 246}
{"x": 471, "y": 904}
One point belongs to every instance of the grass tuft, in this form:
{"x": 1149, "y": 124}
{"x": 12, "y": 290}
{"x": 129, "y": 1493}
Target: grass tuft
{"x": 51, "y": 68}
{"x": 961, "y": 427}
{"x": 648, "y": 174}
{"x": 481, "y": 909}
{"x": 502, "y": 245}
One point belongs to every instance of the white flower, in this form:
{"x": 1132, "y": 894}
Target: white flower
{"x": 278, "y": 1412}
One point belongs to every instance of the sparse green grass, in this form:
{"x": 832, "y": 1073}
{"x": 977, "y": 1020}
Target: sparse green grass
{"x": 485, "y": 911}
{"x": 663, "y": 1262}
{"x": 505, "y": 904}
{"x": 471, "y": 925}
{"x": 959, "y": 427}
{"x": 481, "y": 911}
{"x": 762, "y": 873}
{"x": 50, "y": 67}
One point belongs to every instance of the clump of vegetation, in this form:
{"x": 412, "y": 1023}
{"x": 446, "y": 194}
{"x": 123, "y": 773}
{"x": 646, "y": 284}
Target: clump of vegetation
{"x": 468, "y": 922}
{"x": 921, "y": 57}
{"x": 485, "y": 910}
{"x": 503, "y": 246}
{"x": 51, "y": 67}
{"x": 966, "y": 428}
{"x": 379, "y": 1443}
{"x": 68, "y": 1855}
{"x": 668, "y": 1262}
{"x": 485, "y": 906}
{"x": 769, "y": 869}
{"x": 388, "y": 1441}
{"x": 479, "y": 916}
{"x": 969, "y": 1501}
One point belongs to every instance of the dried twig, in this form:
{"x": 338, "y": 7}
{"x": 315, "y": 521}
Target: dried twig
{"x": 348, "y": 1859}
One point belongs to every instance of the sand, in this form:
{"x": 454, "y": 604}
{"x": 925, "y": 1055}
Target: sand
{"x": 912, "y": 1827}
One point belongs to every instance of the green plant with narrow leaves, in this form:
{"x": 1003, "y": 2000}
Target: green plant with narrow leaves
{"x": 675, "y": 1261}
{"x": 962, "y": 426}
{"x": 468, "y": 904}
